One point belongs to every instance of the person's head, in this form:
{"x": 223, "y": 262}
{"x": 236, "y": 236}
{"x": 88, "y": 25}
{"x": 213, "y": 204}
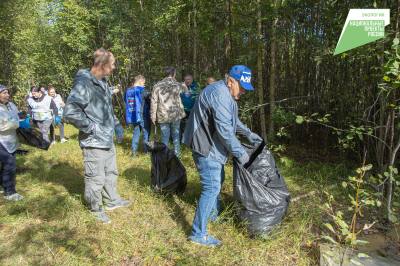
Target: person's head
{"x": 4, "y": 95}
{"x": 188, "y": 79}
{"x": 139, "y": 81}
{"x": 210, "y": 80}
{"x": 36, "y": 92}
{"x": 103, "y": 63}
{"x": 51, "y": 91}
{"x": 239, "y": 80}
{"x": 170, "y": 72}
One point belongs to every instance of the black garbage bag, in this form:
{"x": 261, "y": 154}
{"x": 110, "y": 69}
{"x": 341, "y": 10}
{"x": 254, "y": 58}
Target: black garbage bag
{"x": 168, "y": 175}
{"x": 261, "y": 190}
{"x": 32, "y": 137}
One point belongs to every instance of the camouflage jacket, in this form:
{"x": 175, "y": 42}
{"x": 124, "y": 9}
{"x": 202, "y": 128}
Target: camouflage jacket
{"x": 166, "y": 103}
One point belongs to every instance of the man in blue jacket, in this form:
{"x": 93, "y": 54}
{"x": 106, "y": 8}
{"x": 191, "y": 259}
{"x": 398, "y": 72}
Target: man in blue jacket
{"x": 137, "y": 112}
{"x": 211, "y": 134}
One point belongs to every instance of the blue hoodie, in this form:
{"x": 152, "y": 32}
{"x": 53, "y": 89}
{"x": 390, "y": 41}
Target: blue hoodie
{"x": 136, "y": 108}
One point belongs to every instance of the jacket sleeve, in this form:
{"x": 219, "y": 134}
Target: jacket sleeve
{"x": 154, "y": 105}
{"x": 242, "y": 129}
{"x": 223, "y": 117}
{"x": 74, "y": 110}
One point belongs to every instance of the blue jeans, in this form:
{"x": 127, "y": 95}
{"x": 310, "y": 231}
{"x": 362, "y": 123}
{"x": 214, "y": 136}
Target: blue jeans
{"x": 212, "y": 176}
{"x": 168, "y": 129}
{"x": 137, "y": 128}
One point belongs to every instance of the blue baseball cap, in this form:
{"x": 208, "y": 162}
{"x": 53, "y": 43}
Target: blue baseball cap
{"x": 242, "y": 74}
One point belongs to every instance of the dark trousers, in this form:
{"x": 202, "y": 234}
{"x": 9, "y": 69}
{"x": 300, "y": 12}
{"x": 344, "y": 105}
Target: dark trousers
{"x": 7, "y": 172}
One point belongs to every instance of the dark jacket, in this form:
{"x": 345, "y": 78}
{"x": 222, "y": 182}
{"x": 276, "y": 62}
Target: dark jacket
{"x": 89, "y": 108}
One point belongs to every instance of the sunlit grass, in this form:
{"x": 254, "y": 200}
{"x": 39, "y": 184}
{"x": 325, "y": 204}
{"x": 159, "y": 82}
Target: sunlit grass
{"x": 53, "y": 226}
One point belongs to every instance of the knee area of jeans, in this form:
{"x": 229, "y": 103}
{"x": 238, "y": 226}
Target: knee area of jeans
{"x": 213, "y": 189}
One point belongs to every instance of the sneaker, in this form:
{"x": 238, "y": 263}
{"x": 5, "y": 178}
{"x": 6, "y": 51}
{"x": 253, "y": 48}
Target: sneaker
{"x": 207, "y": 241}
{"x": 52, "y": 143}
{"x": 63, "y": 140}
{"x": 14, "y": 197}
{"x": 121, "y": 203}
{"x": 101, "y": 216}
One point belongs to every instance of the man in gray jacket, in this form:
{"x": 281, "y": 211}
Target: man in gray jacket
{"x": 89, "y": 108}
{"x": 211, "y": 134}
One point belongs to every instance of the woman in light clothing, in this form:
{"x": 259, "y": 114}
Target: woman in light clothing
{"x": 9, "y": 122}
{"x": 42, "y": 109}
{"x": 58, "y": 119}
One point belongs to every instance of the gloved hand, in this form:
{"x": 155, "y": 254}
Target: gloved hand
{"x": 119, "y": 131}
{"x": 253, "y": 138}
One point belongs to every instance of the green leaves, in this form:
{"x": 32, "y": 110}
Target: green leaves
{"x": 299, "y": 119}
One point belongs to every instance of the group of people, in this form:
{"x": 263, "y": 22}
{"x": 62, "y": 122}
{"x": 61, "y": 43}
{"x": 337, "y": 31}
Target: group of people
{"x": 168, "y": 106}
{"x": 210, "y": 132}
{"x": 45, "y": 109}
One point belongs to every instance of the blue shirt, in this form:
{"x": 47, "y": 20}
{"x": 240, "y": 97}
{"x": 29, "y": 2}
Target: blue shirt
{"x": 213, "y": 124}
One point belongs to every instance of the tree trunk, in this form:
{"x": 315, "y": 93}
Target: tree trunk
{"x": 260, "y": 76}
{"x": 142, "y": 43}
{"x": 195, "y": 38}
{"x": 228, "y": 37}
{"x": 272, "y": 79}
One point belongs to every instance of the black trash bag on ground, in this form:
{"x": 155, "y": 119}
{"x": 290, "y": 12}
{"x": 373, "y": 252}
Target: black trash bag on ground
{"x": 168, "y": 175}
{"x": 32, "y": 137}
{"x": 261, "y": 190}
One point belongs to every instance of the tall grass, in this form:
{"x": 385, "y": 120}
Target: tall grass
{"x": 52, "y": 226}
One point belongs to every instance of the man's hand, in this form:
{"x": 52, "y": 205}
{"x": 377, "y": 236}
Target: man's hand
{"x": 244, "y": 158}
{"x": 253, "y": 138}
{"x": 119, "y": 132}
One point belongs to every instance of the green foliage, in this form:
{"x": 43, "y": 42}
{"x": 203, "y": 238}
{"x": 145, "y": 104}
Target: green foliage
{"x": 342, "y": 228}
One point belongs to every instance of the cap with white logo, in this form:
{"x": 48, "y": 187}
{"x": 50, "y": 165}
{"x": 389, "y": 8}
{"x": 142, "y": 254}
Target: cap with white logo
{"x": 242, "y": 74}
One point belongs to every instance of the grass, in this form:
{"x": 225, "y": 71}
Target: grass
{"x": 53, "y": 226}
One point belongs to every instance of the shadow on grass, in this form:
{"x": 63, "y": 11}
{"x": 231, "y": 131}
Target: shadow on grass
{"x": 57, "y": 239}
{"x": 142, "y": 176}
{"x": 42, "y": 239}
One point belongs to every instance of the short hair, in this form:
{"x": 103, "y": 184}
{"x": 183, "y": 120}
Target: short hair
{"x": 35, "y": 89}
{"x": 169, "y": 71}
{"x": 188, "y": 75}
{"x": 139, "y": 77}
{"x": 51, "y": 87}
{"x": 211, "y": 80}
{"x": 101, "y": 57}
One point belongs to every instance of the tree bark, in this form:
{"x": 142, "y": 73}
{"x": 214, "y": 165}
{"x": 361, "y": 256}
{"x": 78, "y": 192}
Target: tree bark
{"x": 260, "y": 76}
{"x": 195, "y": 38}
{"x": 272, "y": 78}
{"x": 227, "y": 36}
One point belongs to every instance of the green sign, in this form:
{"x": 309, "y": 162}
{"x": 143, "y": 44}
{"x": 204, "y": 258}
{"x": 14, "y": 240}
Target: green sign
{"x": 362, "y": 26}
